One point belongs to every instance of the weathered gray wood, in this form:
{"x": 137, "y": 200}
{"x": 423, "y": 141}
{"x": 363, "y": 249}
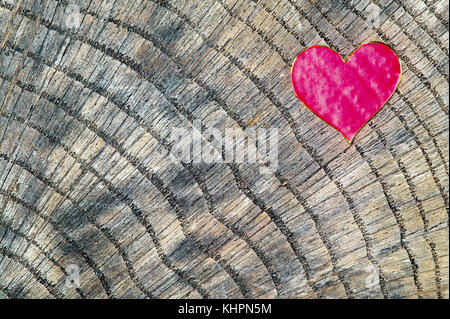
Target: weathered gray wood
{"x": 90, "y": 91}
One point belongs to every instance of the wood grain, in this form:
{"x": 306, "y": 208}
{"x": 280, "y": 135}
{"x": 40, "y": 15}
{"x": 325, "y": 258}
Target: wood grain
{"x": 91, "y": 90}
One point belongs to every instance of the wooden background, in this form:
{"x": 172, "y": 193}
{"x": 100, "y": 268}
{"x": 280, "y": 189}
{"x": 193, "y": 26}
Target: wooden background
{"x": 90, "y": 90}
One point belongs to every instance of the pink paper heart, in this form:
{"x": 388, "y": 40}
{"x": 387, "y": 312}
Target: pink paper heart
{"x": 346, "y": 94}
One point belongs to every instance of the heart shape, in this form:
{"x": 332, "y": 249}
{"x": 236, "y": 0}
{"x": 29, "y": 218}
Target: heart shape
{"x": 346, "y": 94}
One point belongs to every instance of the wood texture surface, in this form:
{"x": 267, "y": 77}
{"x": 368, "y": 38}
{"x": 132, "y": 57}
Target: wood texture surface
{"x": 90, "y": 90}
